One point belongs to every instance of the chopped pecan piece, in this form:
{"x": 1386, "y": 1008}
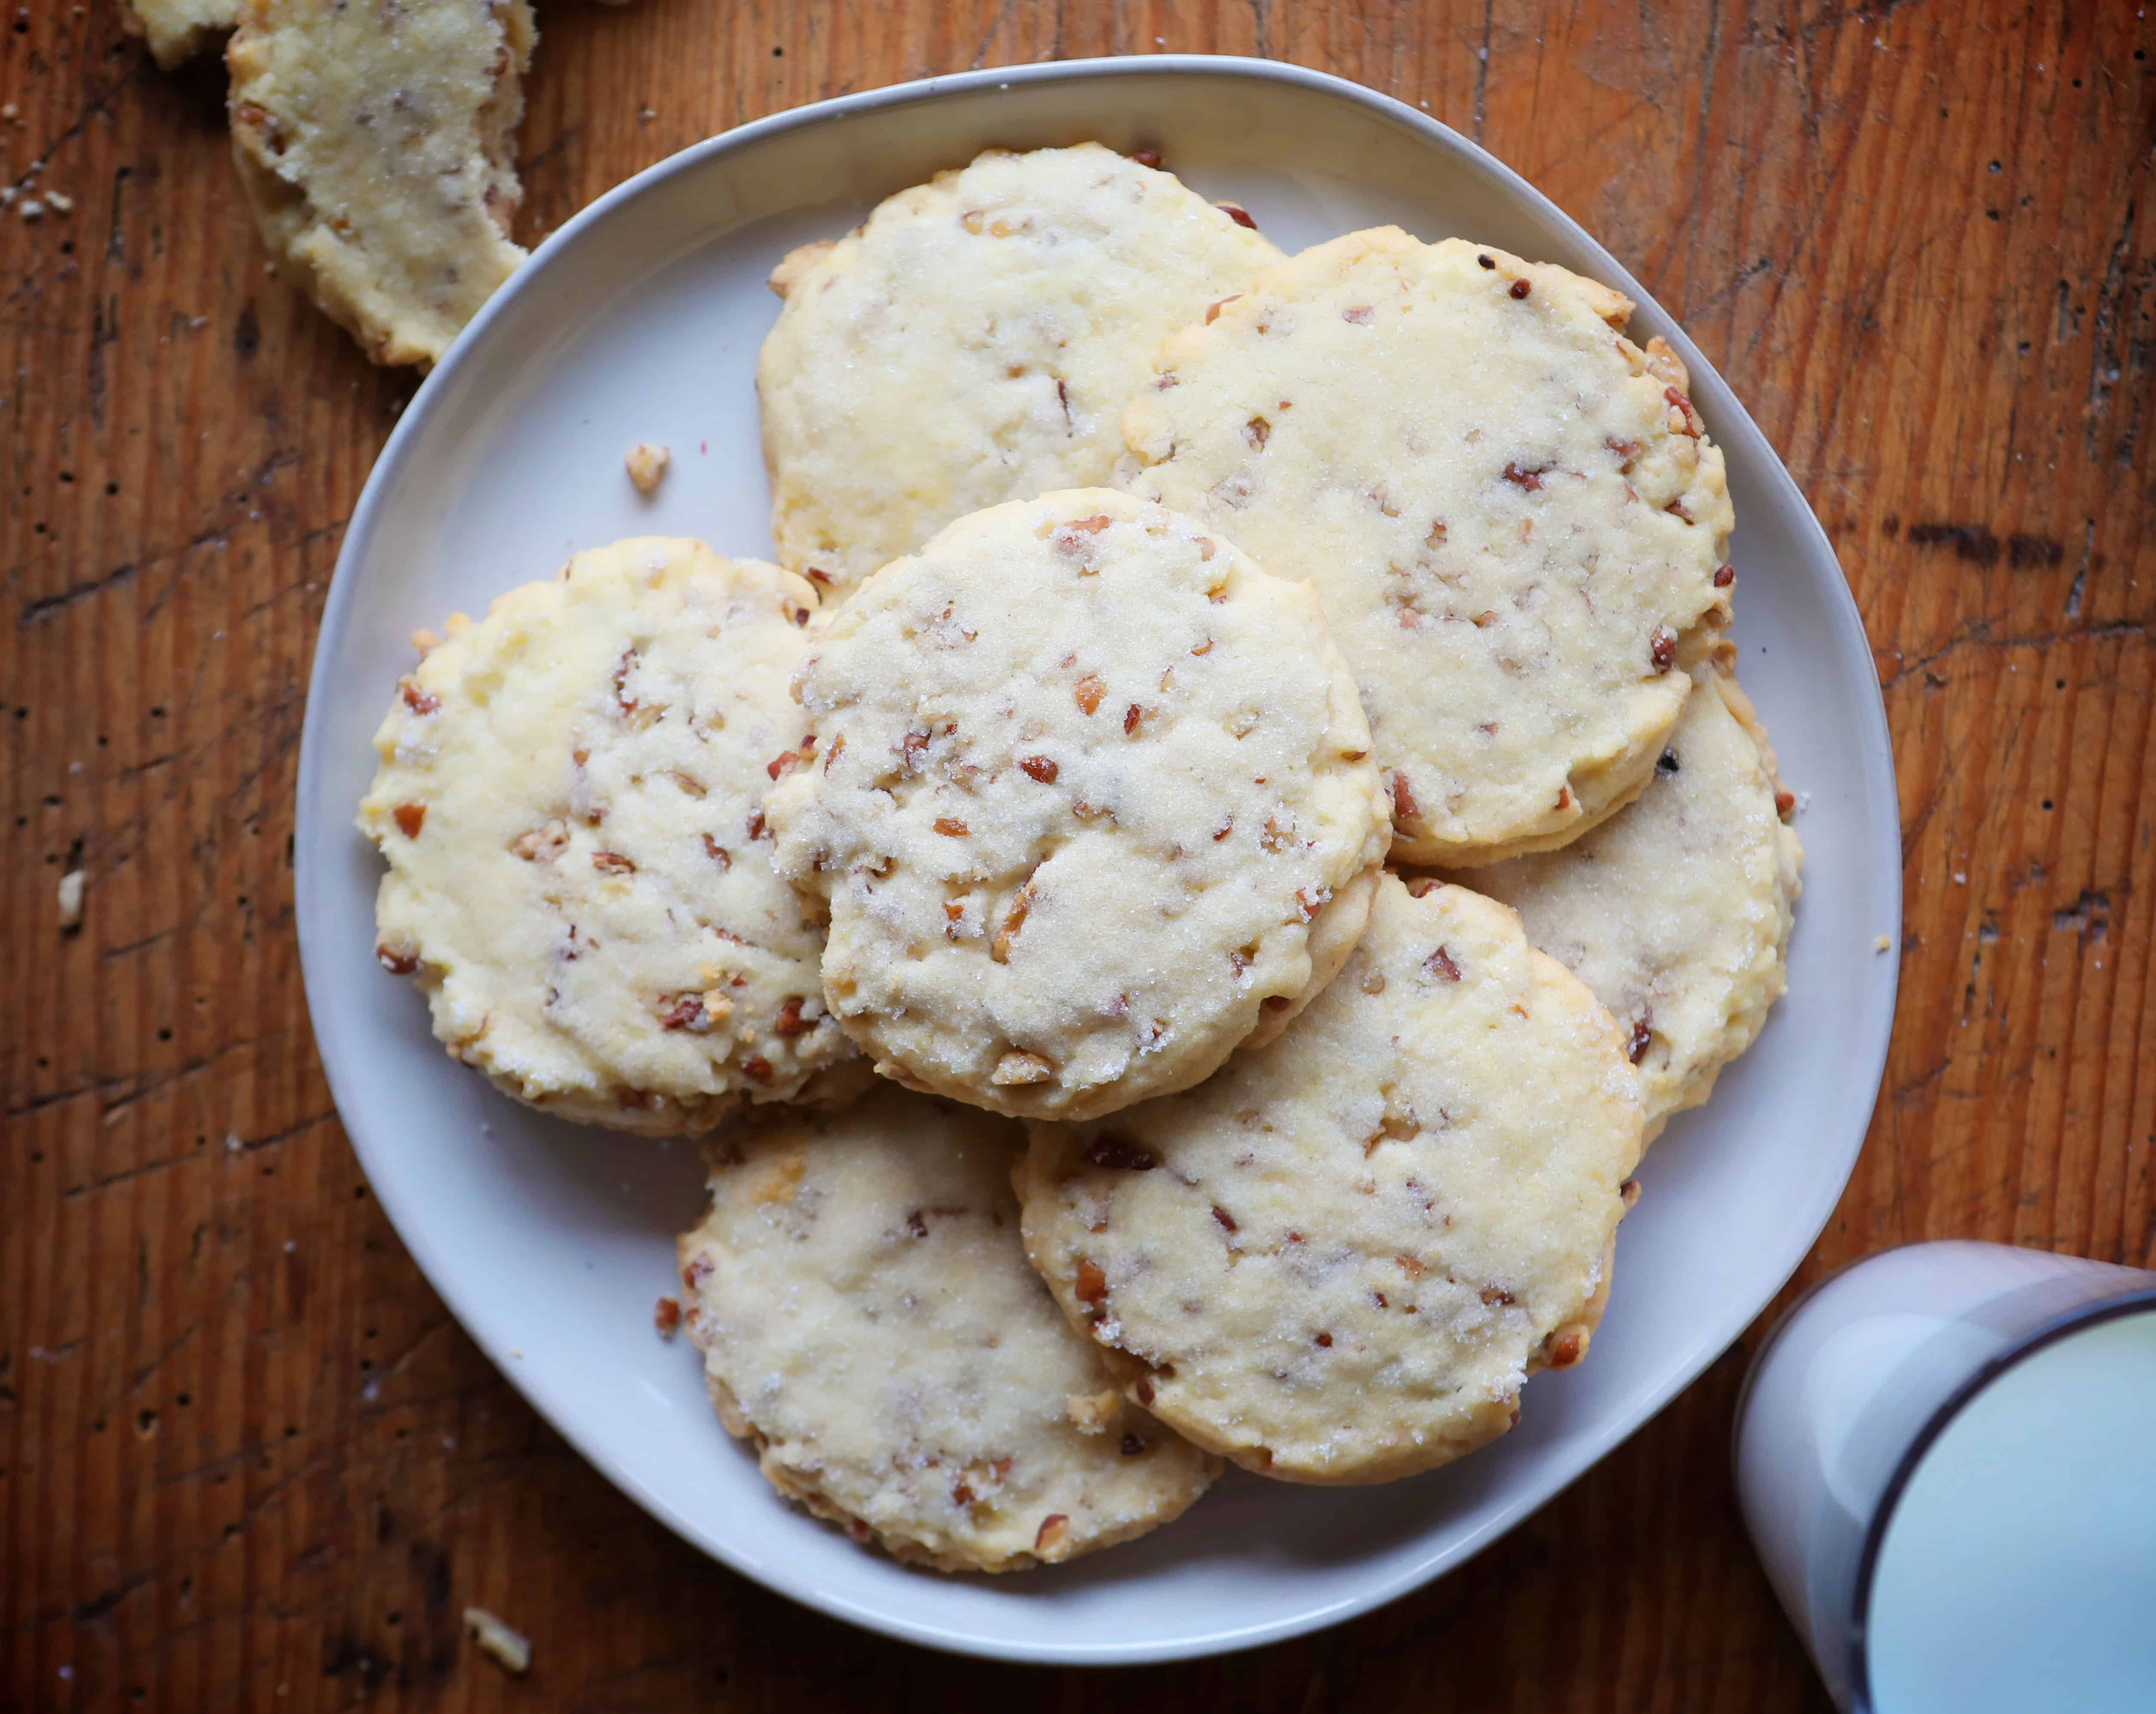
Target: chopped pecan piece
{"x": 1038, "y": 767}
{"x": 542, "y": 843}
{"x": 612, "y": 862}
{"x": 686, "y": 1011}
{"x": 1404, "y": 807}
{"x": 1019, "y": 1066}
{"x": 999, "y": 948}
{"x": 410, "y": 819}
{"x": 1120, "y": 1154}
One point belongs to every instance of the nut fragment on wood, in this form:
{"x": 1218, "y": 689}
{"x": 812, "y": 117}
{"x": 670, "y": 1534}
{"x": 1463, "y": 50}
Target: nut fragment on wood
{"x": 512, "y": 1648}
{"x": 647, "y": 464}
{"x": 73, "y": 884}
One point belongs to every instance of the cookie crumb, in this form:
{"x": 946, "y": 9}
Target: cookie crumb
{"x": 59, "y": 203}
{"x": 512, "y": 1648}
{"x": 647, "y": 465}
{"x": 73, "y": 884}
{"x": 32, "y": 209}
{"x": 1883, "y": 944}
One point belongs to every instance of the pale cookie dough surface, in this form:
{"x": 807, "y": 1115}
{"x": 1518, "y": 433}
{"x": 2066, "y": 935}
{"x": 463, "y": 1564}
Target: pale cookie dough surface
{"x": 377, "y": 146}
{"x": 1086, "y": 776}
{"x": 570, "y": 801}
{"x": 1676, "y": 911}
{"x": 1338, "y": 1260}
{"x": 1507, "y": 507}
{"x": 974, "y": 342}
{"x": 867, "y": 1318}
{"x": 176, "y": 30}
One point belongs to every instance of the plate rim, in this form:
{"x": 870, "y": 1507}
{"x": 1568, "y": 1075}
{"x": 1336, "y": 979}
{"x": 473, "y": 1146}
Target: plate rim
{"x": 1878, "y": 782}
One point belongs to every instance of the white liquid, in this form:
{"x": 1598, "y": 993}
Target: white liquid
{"x": 2019, "y": 1571}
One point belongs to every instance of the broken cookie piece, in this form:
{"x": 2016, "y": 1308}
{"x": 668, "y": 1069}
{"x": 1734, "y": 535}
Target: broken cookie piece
{"x": 175, "y": 31}
{"x": 377, "y": 145}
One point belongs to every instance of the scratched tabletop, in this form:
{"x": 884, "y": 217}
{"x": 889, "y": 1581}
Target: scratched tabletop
{"x": 247, "y": 1460}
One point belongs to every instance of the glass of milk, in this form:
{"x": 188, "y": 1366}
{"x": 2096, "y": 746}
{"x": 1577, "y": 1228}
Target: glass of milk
{"x": 1946, "y": 1456}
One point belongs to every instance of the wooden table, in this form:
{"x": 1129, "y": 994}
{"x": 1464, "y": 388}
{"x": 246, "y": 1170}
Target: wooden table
{"x": 248, "y": 1462}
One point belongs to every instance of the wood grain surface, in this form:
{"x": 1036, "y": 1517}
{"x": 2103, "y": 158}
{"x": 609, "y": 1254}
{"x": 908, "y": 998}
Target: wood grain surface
{"x": 248, "y": 1462}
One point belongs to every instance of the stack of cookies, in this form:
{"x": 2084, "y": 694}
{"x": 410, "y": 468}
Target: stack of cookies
{"x": 1178, "y": 903}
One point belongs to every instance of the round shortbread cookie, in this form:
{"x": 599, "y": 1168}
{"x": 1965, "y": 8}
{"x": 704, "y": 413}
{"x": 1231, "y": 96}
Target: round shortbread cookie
{"x": 975, "y": 343}
{"x": 1676, "y": 911}
{"x": 570, "y": 799}
{"x": 1508, "y": 508}
{"x": 377, "y": 146}
{"x": 1088, "y": 777}
{"x": 867, "y": 1318}
{"x": 1338, "y": 1260}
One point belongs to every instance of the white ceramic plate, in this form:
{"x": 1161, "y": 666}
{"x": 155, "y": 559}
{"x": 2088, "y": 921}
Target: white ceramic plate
{"x": 640, "y": 321}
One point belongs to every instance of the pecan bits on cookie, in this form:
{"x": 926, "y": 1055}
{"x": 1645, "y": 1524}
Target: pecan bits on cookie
{"x": 1099, "y": 804}
{"x": 569, "y": 796}
{"x": 1339, "y": 1258}
{"x": 1509, "y": 509}
{"x": 974, "y": 342}
{"x": 867, "y": 1319}
{"x": 1676, "y": 911}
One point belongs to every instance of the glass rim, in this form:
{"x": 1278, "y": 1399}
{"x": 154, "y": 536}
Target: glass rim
{"x": 2140, "y": 1301}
